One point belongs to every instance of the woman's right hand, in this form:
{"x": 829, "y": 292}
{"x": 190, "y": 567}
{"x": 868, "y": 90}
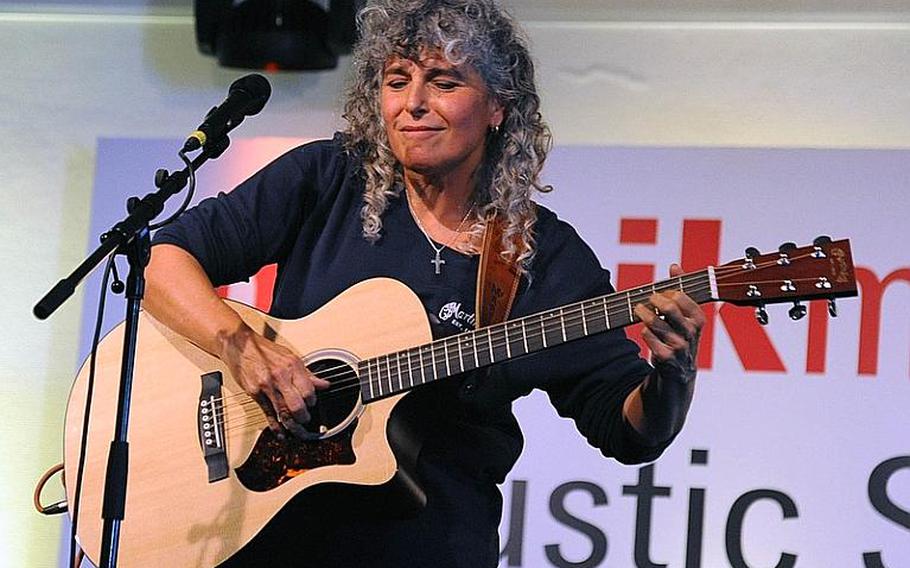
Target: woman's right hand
{"x": 273, "y": 376}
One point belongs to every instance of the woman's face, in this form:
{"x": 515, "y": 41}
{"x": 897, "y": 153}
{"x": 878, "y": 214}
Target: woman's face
{"x": 436, "y": 114}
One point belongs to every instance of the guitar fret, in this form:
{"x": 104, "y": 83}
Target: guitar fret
{"x": 584, "y": 319}
{"x": 388, "y": 365}
{"x": 410, "y": 370}
{"x": 505, "y": 331}
{"x": 606, "y": 313}
{"x": 460, "y": 356}
{"x": 423, "y": 373}
{"x": 476, "y": 360}
{"x": 370, "y": 378}
{"x": 524, "y": 336}
{"x": 562, "y": 322}
{"x": 445, "y": 348}
{"x": 433, "y": 359}
{"x": 490, "y": 342}
{"x": 543, "y": 331}
{"x": 629, "y": 301}
{"x": 378, "y": 376}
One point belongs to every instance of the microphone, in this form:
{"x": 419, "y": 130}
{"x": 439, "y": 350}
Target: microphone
{"x": 246, "y": 97}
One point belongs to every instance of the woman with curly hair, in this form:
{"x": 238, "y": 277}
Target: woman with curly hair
{"x": 444, "y": 135}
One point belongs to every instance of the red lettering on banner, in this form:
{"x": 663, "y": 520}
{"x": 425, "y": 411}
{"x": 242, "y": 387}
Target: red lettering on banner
{"x": 871, "y": 291}
{"x": 223, "y": 291}
{"x": 700, "y": 248}
{"x": 263, "y": 283}
{"x": 638, "y": 231}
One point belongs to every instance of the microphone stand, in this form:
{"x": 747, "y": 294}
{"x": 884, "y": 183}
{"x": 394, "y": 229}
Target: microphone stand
{"x": 129, "y": 237}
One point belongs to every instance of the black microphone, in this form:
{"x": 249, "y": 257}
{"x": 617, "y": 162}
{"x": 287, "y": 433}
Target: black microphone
{"x": 246, "y": 97}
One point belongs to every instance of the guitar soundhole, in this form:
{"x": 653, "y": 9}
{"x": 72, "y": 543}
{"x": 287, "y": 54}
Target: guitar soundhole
{"x": 274, "y": 461}
{"x": 336, "y": 403}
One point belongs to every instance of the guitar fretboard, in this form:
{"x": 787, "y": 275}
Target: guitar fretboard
{"x": 400, "y": 371}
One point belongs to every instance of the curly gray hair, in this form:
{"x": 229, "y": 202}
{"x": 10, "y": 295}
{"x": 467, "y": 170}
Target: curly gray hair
{"x": 466, "y": 32}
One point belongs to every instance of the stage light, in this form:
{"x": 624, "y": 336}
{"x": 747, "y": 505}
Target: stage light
{"x": 275, "y": 34}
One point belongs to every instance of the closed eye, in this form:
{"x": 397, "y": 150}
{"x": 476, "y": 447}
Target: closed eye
{"x": 446, "y": 85}
{"x": 396, "y": 84}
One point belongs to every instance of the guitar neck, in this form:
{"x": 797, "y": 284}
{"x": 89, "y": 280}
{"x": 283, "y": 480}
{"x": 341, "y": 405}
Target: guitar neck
{"x": 393, "y": 373}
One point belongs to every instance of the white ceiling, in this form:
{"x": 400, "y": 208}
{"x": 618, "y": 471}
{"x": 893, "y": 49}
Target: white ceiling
{"x": 571, "y": 10}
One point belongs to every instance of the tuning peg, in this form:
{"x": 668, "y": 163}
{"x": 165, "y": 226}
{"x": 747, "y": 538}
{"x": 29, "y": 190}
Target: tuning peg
{"x": 751, "y": 253}
{"x": 761, "y": 314}
{"x": 798, "y": 311}
{"x": 785, "y": 253}
{"x": 819, "y": 242}
{"x": 832, "y": 308}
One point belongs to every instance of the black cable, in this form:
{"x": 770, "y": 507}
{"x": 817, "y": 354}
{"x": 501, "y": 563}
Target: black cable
{"x": 189, "y": 194}
{"x": 96, "y": 339}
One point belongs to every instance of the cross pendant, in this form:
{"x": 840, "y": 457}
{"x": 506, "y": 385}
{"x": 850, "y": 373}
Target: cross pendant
{"x": 438, "y": 261}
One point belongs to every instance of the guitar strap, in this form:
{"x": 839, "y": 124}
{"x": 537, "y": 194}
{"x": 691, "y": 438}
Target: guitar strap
{"x": 497, "y": 278}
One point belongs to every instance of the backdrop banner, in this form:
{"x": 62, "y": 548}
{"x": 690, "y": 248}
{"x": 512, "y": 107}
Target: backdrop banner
{"x": 796, "y": 451}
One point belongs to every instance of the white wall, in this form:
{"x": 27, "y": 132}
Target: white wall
{"x": 66, "y": 80}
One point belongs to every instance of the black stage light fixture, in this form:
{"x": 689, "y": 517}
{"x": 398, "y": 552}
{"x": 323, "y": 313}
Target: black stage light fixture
{"x": 275, "y": 34}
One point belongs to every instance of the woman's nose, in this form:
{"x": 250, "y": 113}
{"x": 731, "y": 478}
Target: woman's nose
{"x": 417, "y": 100}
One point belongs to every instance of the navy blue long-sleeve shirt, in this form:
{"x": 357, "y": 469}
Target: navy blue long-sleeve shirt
{"x": 303, "y": 213}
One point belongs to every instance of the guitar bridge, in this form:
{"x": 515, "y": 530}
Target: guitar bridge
{"x": 210, "y": 423}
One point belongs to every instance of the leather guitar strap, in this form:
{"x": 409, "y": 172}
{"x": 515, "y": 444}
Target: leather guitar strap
{"x": 497, "y": 279}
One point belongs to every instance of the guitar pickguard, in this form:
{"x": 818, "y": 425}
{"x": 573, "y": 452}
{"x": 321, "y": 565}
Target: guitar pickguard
{"x": 274, "y": 462}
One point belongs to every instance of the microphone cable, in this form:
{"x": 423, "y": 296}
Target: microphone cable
{"x": 96, "y": 339}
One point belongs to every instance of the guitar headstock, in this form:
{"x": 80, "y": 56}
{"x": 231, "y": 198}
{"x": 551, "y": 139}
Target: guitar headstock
{"x": 823, "y": 270}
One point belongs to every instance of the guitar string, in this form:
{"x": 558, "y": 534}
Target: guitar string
{"x": 258, "y": 419}
{"x": 344, "y": 386}
{"x": 569, "y": 318}
{"x": 612, "y": 310}
{"x": 352, "y": 377}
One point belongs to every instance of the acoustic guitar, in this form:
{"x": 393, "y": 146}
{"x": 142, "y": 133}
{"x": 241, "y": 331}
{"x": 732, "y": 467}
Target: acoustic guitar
{"x": 205, "y": 472}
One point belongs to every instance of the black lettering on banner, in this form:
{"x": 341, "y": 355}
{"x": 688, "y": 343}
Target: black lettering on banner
{"x": 696, "y": 514}
{"x": 597, "y": 537}
{"x": 873, "y": 560}
{"x": 735, "y": 525}
{"x": 878, "y": 496}
{"x": 645, "y": 492}
{"x": 515, "y": 541}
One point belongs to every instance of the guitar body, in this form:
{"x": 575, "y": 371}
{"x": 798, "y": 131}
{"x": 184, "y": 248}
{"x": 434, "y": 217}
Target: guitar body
{"x": 185, "y": 510}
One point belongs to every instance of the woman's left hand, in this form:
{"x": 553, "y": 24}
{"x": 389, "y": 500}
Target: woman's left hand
{"x": 672, "y": 327}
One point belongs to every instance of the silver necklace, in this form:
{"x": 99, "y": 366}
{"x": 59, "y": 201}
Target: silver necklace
{"x": 437, "y": 260}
